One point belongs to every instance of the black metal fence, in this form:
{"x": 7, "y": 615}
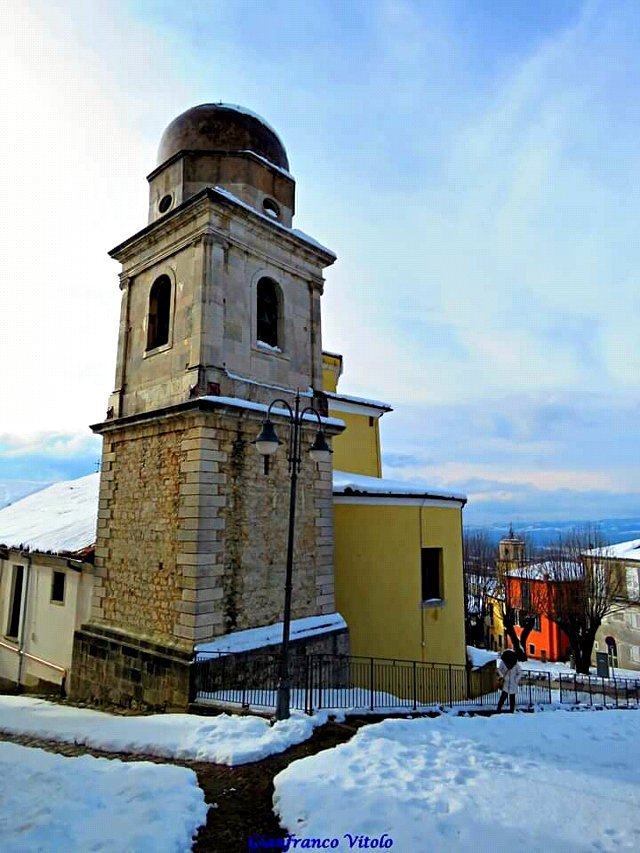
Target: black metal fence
{"x": 378, "y": 685}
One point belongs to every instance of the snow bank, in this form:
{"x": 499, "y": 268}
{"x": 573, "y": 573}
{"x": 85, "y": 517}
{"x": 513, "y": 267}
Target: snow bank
{"x": 555, "y": 781}
{"x": 222, "y": 739}
{"x": 48, "y": 802}
{"x": 479, "y": 657}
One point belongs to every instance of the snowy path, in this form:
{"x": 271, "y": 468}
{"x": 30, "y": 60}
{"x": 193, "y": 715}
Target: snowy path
{"x": 552, "y": 781}
{"x": 223, "y": 739}
{"x": 52, "y": 803}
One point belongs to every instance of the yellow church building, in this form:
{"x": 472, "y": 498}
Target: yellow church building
{"x": 397, "y": 545}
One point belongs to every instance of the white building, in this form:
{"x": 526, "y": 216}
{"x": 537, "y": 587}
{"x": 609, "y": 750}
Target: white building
{"x": 619, "y": 634}
{"x": 46, "y": 578}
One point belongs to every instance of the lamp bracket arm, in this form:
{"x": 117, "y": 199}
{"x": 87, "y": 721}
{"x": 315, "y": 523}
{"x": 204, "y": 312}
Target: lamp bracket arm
{"x": 283, "y": 403}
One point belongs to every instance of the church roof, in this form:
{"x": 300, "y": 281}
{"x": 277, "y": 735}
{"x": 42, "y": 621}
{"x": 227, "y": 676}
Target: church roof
{"x": 359, "y": 485}
{"x": 60, "y": 519}
{"x": 222, "y": 127}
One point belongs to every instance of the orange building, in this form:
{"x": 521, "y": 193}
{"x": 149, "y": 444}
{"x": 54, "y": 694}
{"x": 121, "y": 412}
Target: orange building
{"x": 528, "y": 590}
{"x": 526, "y": 595}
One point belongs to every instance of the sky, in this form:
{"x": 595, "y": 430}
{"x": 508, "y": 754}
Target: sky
{"x": 474, "y": 165}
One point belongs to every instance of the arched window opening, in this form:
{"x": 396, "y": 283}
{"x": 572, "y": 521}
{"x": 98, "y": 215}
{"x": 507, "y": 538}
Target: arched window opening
{"x": 268, "y": 312}
{"x": 159, "y": 312}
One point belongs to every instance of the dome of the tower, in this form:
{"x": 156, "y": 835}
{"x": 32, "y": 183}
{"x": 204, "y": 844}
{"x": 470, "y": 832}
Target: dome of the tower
{"x": 222, "y": 127}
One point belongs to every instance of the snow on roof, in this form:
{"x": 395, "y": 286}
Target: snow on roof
{"x": 620, "y": 551}
{"x": 239, "y": 403}
{"x": 295, "y": 232}
{"x": 552, "y": 570}
{"x": 60, "y": 518}
{"x": 345, "y": 483}
{"x": 271, "y": 635}
{"x": 377, "y": 404}
{"x": 269, "y": 163}
{"x": 239, "y": 109}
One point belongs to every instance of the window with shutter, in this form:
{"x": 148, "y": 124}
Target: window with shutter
{"x": 633, "y": 584}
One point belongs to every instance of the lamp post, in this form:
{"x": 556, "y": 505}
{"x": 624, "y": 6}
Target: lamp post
{"x": 267, "y": 443}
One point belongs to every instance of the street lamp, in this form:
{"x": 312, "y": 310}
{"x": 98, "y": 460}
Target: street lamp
{"x": 267, "y": 444}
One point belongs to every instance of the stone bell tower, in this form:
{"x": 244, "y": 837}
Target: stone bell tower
{"x": 220, "y": 314}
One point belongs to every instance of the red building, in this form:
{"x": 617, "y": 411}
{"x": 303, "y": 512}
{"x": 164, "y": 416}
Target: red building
{"x": 527, "y": 591}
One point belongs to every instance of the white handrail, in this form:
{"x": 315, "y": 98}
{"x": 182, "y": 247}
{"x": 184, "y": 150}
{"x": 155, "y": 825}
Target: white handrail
{"x": 33, "y": 657}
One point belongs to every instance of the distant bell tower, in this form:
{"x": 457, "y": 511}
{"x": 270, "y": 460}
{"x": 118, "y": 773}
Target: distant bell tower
{"x": 220, "y": 314}
{"x": 511, "y": 551}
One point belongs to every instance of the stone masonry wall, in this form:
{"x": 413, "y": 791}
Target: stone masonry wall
{"x": 137, "y": 585}
{"x": 192, "y": 534}
{"x": 111, "y": 668}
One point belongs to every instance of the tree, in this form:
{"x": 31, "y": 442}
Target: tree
{"x": 518, "y": 553}
{"x": 479, "y": 573}
{"x": 581, "y": 589}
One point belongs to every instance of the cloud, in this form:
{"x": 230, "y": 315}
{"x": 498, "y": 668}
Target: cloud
{"x": 474, "y": 169}
{"x": 34, "y": 461}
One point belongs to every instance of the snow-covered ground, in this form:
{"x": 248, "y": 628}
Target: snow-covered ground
{"x": 338, "y": 701}
{"x": 552, "y": 781}
{"x": 48, "y": 802}
{"x": 565, "y": 669}
{"x": 479, "y": 657}
{"x": 222, "y": 739}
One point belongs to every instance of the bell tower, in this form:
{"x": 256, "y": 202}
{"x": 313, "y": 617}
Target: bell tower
{"x": 220, "y": 313}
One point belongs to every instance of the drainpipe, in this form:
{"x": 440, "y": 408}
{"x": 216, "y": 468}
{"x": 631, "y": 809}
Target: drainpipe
{"x": 23, "y": 626}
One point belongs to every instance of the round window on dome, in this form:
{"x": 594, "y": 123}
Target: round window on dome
{"x": 165, "y": 203}
{"x": 271, "y": 208}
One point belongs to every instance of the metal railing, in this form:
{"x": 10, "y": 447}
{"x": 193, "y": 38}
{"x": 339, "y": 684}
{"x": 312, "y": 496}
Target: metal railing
{"x": 62, "y": 672}
{"x": 378, "y": 685}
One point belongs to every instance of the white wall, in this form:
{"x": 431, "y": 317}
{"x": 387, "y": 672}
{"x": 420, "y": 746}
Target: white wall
{"x": 49, "y": 626}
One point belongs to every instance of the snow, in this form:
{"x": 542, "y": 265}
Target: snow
{"x": 60, "y": 518}
{"x": 620, "y": 551}
{"x": 561, "y": 571}
{"x": 311, "y": 241}
{"x": 565, "y": 669}
{"x": 294, "y": 232}
{"x": 345, "y": 482}
{"x": 238, "y": 109}
{"x": 336, "y": 701}
{"x": 268, "y": 347}
{"x": 271, "y": 635}
{"x": 239, "y": 403}
{"x": 265, "y": 160}
{"x": 479, "y": 657}
{"x": 377, "y": 404}
{"x": 49, "y": 802}
{"x": 552, "y": 781}
{"x": 222, "y": 739}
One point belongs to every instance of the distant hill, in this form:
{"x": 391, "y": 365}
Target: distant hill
{"x": 546, "y": 532}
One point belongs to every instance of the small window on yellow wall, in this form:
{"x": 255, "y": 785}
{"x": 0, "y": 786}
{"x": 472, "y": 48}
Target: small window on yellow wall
{"x": 159, "y": 313}
{"x": 432, "y": 574}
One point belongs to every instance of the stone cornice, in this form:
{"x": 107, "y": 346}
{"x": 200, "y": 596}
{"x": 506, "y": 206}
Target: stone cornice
{"x": 202, "y": 404}
{"x": 183, "y": 216}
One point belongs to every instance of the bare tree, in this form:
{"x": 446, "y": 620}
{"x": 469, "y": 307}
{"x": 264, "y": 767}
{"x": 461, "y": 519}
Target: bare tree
{"x": 581, "y": 588}
{"x": 514, "y": 608}
{"x": 479, "y": 572}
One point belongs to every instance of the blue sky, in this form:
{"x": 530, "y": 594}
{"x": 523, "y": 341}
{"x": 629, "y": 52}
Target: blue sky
{"x": 474, "y": 165}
